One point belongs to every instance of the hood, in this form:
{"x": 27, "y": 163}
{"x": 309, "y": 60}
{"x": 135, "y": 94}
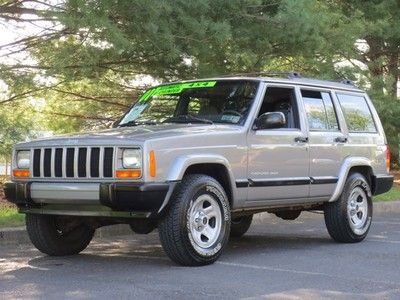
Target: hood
{"x": 129, "y": 135}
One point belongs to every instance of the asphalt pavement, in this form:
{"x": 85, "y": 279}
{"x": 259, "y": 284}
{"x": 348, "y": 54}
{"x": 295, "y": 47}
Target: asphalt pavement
{"x": 274, "y": 260}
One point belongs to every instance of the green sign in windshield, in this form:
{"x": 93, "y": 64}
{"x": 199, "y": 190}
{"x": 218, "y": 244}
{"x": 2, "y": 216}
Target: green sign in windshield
{"x": 175, "y": 89}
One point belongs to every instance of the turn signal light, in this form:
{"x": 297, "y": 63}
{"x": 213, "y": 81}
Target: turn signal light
{"x": 387, "y": 158}
{"x": 21, "y": 173}
{"x": 152, "y": 159}
{"x": 128, "y": 173}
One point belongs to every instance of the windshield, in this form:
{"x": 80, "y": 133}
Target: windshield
{"x": 223, "y": 101}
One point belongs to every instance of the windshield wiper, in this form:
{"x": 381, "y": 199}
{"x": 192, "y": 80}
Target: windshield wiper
{"x": 187, "y": 119}
{"x": 135, "y": 123}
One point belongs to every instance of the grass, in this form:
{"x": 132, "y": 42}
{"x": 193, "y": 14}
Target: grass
{"x": 9, "y": 217}
{"x": 393, "y": 194}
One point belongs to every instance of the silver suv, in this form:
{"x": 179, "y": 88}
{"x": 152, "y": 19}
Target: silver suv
{"x": 198, "y": 158}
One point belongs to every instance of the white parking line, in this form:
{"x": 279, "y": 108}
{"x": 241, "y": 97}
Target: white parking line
{"x": 267, "y": 268}
{"x": 396, "y": 284}
{"x": 384, "y": 241}
{"x": 386, "y": 222}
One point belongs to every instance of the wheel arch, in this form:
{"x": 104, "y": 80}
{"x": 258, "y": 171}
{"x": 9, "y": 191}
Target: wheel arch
{"x": 350, "y": 165}
{"x": 215, "y": 166}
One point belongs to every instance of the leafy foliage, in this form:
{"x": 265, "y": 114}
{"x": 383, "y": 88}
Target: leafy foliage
{"x": 86, "y": 64}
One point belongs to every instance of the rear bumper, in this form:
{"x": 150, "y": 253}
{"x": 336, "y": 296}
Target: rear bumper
{"x": 381, "y": 184}
{"x": 118, "y": 196}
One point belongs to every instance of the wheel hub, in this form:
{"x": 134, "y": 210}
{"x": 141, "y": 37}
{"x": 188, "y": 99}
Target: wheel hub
{"x": 205, "y": 219}
{"x": 357, "y": 209}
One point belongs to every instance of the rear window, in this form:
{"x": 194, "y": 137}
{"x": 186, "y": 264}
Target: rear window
{"x": 357, "y": 113}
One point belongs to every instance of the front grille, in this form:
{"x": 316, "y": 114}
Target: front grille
{"x": 73, "y": 162}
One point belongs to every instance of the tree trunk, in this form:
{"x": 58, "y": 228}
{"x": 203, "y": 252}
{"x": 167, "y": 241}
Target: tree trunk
{"x": 374, "y": 60}
{"x": 393, "y": 70}
{"x": 6, "y": 173}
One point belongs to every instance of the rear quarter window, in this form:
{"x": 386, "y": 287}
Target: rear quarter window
{"x": 357, "y": 113}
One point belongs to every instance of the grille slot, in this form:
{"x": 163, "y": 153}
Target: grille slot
{"x": 73, "y": 162}
{"x": 47, "y": 163}
{"x": 36, "y": 163}
{"x": 58, "y": 162}
{"x": 94, "y": 162}
{"x": 70, "y": 162}
{"x": 82, "y": 162}
{"x": 108, "y": 162}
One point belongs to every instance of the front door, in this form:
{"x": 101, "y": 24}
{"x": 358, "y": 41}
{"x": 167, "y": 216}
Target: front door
{"x": 278, "y": 166}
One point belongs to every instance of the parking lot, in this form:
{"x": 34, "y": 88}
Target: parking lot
{"x": 279, "y": 259}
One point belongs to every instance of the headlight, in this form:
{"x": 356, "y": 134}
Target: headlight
{"x": 132, "y": 158}
{"x": 23, "y": 159}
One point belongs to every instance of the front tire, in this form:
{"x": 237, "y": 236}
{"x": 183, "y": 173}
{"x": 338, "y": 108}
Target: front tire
{"x": 58, "y": 236}
{"x": 349, "y": 218}
{"x": 195, "y": 229}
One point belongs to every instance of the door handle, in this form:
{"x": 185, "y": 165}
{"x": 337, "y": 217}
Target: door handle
{"x": 341, "y": 139}
{"x": 301, "y": 139}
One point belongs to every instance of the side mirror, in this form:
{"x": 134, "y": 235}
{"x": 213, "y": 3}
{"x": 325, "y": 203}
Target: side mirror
{"x": 270, "y": 120}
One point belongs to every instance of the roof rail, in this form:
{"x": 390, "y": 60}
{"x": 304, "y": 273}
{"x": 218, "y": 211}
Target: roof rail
{"x": 289, "y": 75}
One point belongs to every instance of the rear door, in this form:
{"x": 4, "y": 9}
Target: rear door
{"x": 278, "y": 161}
{"x": 326, "y": 140}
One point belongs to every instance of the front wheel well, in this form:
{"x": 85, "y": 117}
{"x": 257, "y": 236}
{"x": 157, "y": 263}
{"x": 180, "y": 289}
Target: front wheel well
{"x": 218, "y": 171}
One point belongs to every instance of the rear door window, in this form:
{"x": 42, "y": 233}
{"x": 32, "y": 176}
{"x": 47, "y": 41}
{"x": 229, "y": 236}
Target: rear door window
{"x": 320, "y": 112}
{"x": 357, "y": 113}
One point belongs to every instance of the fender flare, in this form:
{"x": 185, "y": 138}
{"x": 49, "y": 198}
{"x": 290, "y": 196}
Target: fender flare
{"x": 344, "y": 172}
{"x": 180, "y": 165}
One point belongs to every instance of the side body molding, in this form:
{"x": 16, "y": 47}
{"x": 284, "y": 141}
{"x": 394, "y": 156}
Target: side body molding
{"x": 180, "y": 165}
{"x": 348, "y": 163}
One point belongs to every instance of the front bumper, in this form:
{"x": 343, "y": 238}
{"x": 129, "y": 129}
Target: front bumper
{"x": 118, "y": 196}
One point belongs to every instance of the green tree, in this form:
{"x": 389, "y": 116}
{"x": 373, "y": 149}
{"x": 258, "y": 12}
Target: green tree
{"x": 378, "y": 48}
{"x": 90, "y": 53}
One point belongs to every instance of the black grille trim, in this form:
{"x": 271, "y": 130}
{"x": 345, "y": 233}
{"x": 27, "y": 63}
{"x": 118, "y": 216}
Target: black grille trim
{"x": 69, "y": 166}
{"x": 58, "y": 162}
{"x": 108, "y": 162}
{"x": 94, "y": 162}
{"x": 82, "y": 154}
{"x": 36, "y": 162}
{"x": 73, "y": 162}
{"x": 47, "y": 163}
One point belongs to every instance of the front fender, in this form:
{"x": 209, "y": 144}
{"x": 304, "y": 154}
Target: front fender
{"x": 180, "y": 165}
{"x": 344, "y": 172}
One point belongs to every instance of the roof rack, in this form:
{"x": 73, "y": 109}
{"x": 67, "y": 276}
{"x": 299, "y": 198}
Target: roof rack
{"x": 289, "y": 75}
{"x": 347, "y": 81}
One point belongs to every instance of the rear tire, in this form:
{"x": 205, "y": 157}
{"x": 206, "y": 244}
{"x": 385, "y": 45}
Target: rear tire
{"x": 195, "y": 229}
{"x": 240, "y": 225}
{"x": 348, "y": 219}
{"x": 58, "y": 236}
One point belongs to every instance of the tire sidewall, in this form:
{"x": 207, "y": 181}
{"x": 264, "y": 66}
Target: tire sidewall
{"x": 357, "y": 180}
{"x": 216, "y": 191}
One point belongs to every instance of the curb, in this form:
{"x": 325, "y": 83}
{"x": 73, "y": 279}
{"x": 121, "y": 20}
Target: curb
{"x": 18, "y": 235}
